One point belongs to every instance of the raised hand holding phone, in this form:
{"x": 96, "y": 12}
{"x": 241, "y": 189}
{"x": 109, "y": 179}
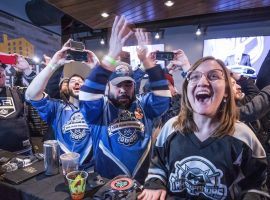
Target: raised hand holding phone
{"x": 92, "y": 59}
{"x": 180, "y": 60}
{"x": 59, "y": 58}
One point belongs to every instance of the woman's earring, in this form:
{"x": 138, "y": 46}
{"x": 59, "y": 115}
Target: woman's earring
{"x": 224, "y": 100}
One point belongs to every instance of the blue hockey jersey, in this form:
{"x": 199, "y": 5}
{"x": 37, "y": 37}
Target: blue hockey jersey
{"x": 122, "y": 138}
{"x": 70, "y": 128}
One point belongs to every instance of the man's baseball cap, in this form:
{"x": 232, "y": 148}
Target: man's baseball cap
{"x": 123, "y": 72}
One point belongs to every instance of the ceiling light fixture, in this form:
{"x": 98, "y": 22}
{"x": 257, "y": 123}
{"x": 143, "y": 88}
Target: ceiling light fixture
{"x": 36, "y": 59}
{"x": 169, "y": 3}
{"x": 157, "y": 36}
{"x": 105, "y": 15}
{"x": 102, "y": 41}
{"x": 198, "y": 32}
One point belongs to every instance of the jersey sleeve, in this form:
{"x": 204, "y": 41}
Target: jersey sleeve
{"x": 253, "y": 163}
{"x": 157, "y": 101}
{"x": 256, "y": 107}
{"x": 46, "y": 108}
{"x": 92, "y": 93}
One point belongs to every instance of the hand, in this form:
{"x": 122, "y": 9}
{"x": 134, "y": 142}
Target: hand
{"x": 180, "y": 60}
{"x": 22, "y": 64}
{"x": 142, "y": 38}
{"x": 148, "y": 60}
{"x": 59, "y": 58}
{"x": 152, "y": 194}
{"x": 92, "y": 59}
{"x": 120, "y": 33}
{"x": 46, "y": 59}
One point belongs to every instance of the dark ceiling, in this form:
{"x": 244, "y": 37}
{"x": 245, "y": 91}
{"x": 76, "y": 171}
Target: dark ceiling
{"x": 153, "y": 13}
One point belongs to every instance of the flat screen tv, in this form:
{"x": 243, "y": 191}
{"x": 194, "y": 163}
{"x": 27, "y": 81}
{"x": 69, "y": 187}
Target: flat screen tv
{"x": 244, "y": 55}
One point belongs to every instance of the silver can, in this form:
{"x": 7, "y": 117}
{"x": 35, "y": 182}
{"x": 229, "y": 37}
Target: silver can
{"x": 51, "y": 151}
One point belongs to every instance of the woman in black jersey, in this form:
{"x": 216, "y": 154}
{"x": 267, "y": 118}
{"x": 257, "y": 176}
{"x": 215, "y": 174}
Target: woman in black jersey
{"x": 205, "y": 152}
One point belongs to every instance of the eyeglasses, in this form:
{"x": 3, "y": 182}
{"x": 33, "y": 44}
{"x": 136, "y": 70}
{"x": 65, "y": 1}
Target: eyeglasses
{"x": 212, "y": 75}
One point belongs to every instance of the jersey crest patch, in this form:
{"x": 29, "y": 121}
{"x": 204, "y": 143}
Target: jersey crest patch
{"x": 7, "y": 106}
{"x": 76, "y": 127}
{"x": 127, "y": 127}
{"x": 198, "y": 175}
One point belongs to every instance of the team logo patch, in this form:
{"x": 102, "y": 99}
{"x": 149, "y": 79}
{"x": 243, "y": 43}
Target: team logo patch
{"x": 127, "y": 127}
{"x": 7, "y": 106}
{"x": 198, "y": 175}
{"x": 121, "y": 184}
{"x": 138, "y": 113}
{"x": 76, "y": 127}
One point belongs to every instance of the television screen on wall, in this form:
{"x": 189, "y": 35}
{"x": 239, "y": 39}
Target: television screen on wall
{"x": 244, "y": 55}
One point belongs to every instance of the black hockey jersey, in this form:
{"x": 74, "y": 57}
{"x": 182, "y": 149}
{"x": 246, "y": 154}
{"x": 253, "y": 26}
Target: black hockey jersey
{"x": 217, "y": 168}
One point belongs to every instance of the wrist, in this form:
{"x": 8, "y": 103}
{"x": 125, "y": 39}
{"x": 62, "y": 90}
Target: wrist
{"x": 186, "y": 67}
{"x": 27, "y": 71}
{"x": 148, "y": 64}
{"x": 112, "y": 55}
{"x": 53, "y": 66}
{"x": 109, "y": 63}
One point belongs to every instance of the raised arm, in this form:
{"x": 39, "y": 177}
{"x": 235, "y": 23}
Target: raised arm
{"x": 120, "y": 33}
{"x": 178, "y": 67}
{"x": 36, "y": 88}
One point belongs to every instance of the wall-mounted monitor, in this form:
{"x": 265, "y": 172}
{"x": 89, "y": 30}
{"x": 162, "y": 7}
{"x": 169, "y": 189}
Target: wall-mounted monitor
{"x": 241, "y": 54}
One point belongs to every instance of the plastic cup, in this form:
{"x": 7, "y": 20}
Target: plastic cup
{"x": 70, "y": 162}
{"x": 77, "y": 183}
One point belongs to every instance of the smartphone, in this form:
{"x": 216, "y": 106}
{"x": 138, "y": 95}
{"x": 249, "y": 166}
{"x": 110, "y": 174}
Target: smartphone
{"x": 77, "y": 55}
{"x": 8, "y": 59}
{"x": 162, "y": 55}
{"x": 76, "y": 45}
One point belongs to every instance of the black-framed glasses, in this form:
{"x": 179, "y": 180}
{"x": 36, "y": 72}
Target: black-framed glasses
{"x": 212, "y": 75}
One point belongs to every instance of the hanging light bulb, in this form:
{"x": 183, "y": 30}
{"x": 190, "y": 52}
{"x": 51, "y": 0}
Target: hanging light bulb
{"x": 198, "y": 32}
{"x": 36, "y": 59}
{"x": 157, "y": 36}
{"x": 169, "y": 3}
{"x": 102, "y": 41}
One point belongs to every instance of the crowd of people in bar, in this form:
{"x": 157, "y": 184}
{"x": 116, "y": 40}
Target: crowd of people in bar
{"x": 200, "y": 137}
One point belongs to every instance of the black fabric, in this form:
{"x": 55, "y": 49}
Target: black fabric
{"x": 14, "y": 134}
{"x": 52, "y": 88}
{"x": 264, "y": 73}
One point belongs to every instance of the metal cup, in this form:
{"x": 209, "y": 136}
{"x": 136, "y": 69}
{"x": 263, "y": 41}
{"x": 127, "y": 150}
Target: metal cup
{"x": 51, "y": 151}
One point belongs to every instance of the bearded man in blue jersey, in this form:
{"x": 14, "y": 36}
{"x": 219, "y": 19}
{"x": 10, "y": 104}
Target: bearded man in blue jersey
{"x": 121, "y": 123}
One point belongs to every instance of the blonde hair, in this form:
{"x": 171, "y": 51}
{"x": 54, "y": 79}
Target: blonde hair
{"x": 228, "y": 112}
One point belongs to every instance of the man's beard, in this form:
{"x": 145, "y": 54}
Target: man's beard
{"x": 71, "y": 94}
{"x": 119, "y": 104}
